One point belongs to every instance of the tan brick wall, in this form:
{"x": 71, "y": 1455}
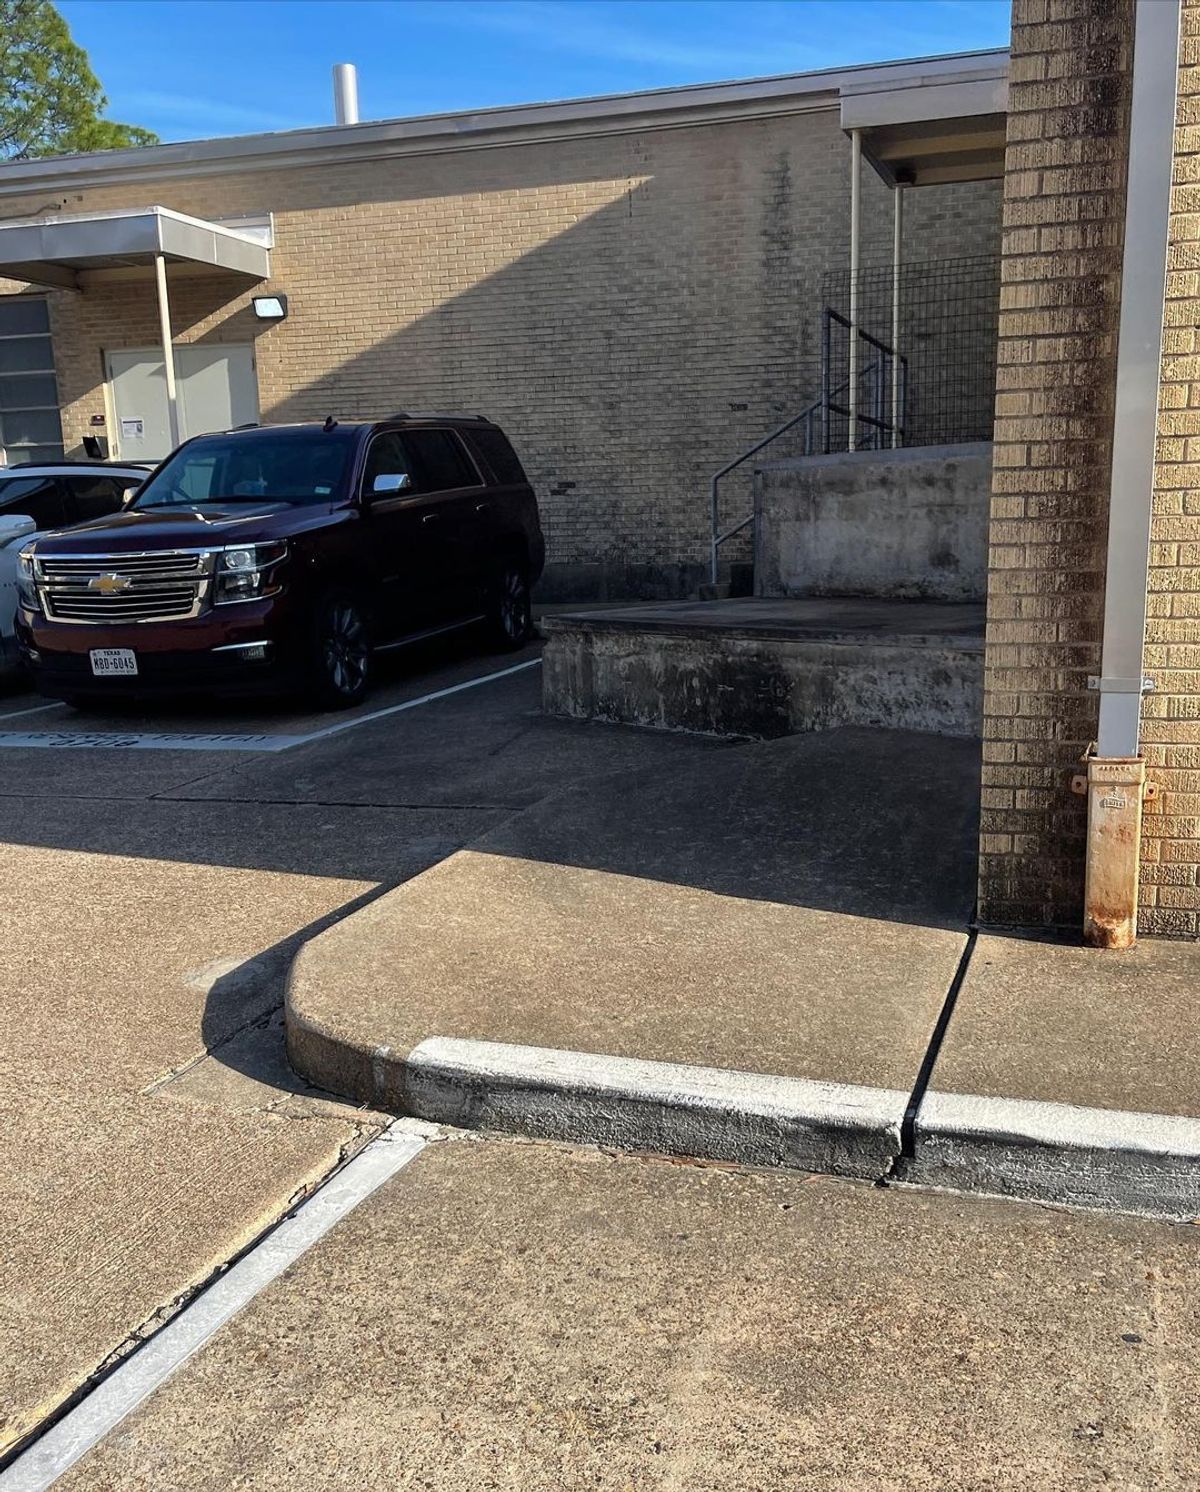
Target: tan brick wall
{"x": 635, "y": 309}
{"x": 1062, "y": 240}
{"x": 1171, "y": 716}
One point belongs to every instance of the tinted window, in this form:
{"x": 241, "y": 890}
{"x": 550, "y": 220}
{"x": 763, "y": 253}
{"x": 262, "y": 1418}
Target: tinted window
{"x": 299, "y": 466}
{"x": 386, "y": 457}
{"x": 93, "y": 496}
{"x": 495, "y": 449}
{"x": 439, "y": 460}
{"x": 40, "y": 497}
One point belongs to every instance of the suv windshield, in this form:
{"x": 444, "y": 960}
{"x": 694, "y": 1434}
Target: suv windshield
{"x": 291, "y": 466}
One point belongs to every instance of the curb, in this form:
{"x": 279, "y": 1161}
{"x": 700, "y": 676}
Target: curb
{"x": 666, "y": 1107}
{"x": 1110, "y": 1159}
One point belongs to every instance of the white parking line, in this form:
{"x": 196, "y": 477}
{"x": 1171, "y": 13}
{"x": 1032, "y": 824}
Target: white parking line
{"x": 54, "y": 704}
{"x": 152, "y": 1364}
{"x": 95, "y": 740}
{"x": 411, "y": 704}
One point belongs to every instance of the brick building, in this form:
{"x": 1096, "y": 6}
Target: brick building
{"x": 631, "y": 286}
{"x": 636, "y": 287}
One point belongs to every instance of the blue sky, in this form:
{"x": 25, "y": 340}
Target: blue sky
{"x": 194, "y": 68}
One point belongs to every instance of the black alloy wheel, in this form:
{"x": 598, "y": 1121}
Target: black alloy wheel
{"x": 342, "y": 661}
{"x": 512, "y": 609}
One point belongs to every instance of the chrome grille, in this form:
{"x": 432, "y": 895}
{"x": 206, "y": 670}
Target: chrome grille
{"x": 167, "y": 562}
{"x": 154, "y": 604}
{"x": 165, "y": 585}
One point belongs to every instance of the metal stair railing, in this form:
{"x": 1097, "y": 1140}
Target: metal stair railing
{"x": 877, "y": 374}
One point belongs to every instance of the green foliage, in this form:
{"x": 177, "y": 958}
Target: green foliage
{"x": 50, "y": 99}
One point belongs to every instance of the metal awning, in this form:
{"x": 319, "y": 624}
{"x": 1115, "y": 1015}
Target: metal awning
{"x": 57, "y": 250}
{"x": 926, "y": 132}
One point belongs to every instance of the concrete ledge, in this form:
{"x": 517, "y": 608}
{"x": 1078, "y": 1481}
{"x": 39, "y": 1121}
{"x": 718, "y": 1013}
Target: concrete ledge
{"x": 667, "y": 1107}
{"x": 1052, "y": 1152}
{"x": 770, "y": 668}
{"x": 876, "y": 523}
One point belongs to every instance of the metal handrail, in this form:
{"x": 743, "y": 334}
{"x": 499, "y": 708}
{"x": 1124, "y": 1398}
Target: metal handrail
{"x": 824, "y": 406}
{"x": 719, "y": 538}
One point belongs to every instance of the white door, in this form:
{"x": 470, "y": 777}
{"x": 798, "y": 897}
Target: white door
{"x": 216, "y": 389}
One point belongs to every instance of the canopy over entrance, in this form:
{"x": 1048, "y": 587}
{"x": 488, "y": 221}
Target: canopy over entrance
{"x": 923, "y": 131}
{"x": 72, "y": 251}
{"x": 917, "y": 129}
{"x": 57, "y": 250}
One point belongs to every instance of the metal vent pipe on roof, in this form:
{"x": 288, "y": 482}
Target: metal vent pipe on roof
{"x": 345, "y": 93}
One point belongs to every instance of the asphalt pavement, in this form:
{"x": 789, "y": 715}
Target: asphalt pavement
{"x": 512, "y": 1315}
{"x": 498, "y": 1313}
{"x": 156, "y": 892}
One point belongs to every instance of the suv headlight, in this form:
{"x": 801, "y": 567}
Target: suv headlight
{"x": 247, "y": 572}
{"x": 27, "y": 580}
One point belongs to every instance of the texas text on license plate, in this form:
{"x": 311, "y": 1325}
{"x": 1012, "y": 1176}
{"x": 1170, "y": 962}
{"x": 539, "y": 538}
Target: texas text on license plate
{"x": 107, "y": 661}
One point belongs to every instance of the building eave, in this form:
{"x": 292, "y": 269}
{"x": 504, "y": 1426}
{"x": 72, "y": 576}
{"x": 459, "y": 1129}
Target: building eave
{"x": 521, "y": 124}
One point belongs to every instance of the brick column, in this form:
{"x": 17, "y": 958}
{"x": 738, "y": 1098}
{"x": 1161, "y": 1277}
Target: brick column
{"x": 1171, "y": 716}
{"x": 1064, "y": 202}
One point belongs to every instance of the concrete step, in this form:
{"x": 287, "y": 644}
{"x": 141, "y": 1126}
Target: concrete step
{"x": 766, "y": 668}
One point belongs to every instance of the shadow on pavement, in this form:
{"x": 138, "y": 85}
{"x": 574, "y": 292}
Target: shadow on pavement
{"x": 867, "y": 823}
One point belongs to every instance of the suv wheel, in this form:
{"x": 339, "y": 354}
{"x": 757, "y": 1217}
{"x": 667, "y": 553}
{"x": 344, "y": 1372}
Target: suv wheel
{"x": 511, "y": 618}
{"x": 340, "y": 667}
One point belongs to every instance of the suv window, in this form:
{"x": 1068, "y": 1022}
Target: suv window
{"x": 94, "y": 496}
{"x": 298, "y": 466}
{"x": 439, "y": 460}
{"x": 386, "y": 458}
{"x": 496, "y": 450}
{"x": 40, "y": 497}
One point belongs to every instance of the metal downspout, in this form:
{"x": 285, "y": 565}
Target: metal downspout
{"x": 1117, "y": 771}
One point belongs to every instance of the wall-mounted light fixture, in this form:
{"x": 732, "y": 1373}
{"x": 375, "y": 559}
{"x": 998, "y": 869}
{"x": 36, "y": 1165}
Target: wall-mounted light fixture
{"x": 270, "y": 307}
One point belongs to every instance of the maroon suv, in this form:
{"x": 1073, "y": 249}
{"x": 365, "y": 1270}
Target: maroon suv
{"x": 286, "y": 554}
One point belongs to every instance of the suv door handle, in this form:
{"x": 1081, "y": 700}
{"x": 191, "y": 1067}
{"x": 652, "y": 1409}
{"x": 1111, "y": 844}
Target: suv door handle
{"x": 482, "y": 507}
{"x": 428, "y": 517}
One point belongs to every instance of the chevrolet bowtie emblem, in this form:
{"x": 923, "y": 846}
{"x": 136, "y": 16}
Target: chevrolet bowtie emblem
{"x": 109, "y": 585}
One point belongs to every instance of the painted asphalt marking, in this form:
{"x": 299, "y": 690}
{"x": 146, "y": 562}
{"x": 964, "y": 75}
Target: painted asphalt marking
{"x": 66, "y": 740}
{"x": 411, "y": 704}
{"x": 152, "y": 1364}
{"x": 63, "y": 740}
{"x": 36, "y": 710}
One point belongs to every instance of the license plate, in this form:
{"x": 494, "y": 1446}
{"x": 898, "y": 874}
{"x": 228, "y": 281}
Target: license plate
{"x": 107, "y": 662}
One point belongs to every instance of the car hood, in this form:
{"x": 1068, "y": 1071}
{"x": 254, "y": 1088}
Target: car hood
{"x": 211, "y": 525}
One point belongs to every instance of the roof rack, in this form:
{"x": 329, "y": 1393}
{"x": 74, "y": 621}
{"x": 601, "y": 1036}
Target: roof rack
{"x": 439, "y": 414}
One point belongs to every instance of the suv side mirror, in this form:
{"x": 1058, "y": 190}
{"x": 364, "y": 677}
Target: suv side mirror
{"x": 390, "y": 482}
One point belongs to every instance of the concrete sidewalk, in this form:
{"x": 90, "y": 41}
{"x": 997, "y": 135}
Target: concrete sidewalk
{"x": 797, "y": 909}
{"x": 761, "y": 955}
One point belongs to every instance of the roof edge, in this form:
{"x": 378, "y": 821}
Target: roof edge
{"x": 510, "y": 124}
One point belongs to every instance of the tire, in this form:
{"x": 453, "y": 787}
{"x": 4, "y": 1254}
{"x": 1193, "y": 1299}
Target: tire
{"x": 510, "y": 617}
{"x": 339, "y": 665}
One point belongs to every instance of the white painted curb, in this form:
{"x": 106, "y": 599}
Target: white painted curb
{"x": 1055, "y": 1152}
{"x": 664, "y": 1107}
